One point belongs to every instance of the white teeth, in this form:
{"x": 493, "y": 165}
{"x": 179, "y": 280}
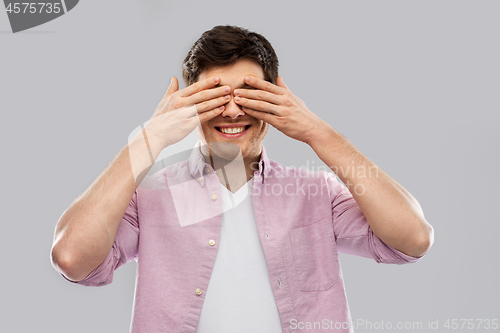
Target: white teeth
{"x": 232, "y": 130}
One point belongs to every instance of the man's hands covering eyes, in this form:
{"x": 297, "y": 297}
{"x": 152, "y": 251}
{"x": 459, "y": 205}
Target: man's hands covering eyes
{"x": 276, "y": 105}
{"x": 181, "y": 111}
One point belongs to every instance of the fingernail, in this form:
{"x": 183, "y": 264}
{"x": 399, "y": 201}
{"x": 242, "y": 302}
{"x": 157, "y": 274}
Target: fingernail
{"x": 216, "y": 79}
{"x": 237, "y": 92}
{"x": 221, "y": 107}
{"x": 247, "y": 78}
{"x": 227, "y": 89}
{"x": 227, "y": 97}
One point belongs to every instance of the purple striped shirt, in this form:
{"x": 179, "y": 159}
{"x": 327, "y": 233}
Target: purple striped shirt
{"x": 304, "y": 218}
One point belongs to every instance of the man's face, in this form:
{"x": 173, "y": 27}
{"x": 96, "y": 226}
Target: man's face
{"x": 233, "y": 119}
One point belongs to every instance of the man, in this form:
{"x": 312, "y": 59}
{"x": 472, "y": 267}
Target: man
{"x": 211, "y": 259}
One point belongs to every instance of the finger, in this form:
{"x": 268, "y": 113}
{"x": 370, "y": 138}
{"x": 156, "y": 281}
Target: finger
{"x": 208, "y": 94}
{"x": 206, "y": 116}
{"x": 212, "y": 103}
{"x": 264, "y": 85}
{"x": 199, "y": 86}
{"x": 267, "y": 117}
{"x": 189, "y": 111}
{"x": 257, "y": 105}
{"x": 173, "y": 87}
{"x": 281, "y": 83}
{"x": 260, "y": 95}
{"x": 192, "y": 111}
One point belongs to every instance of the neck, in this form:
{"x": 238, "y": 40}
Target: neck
{"x": 233, "y": 172}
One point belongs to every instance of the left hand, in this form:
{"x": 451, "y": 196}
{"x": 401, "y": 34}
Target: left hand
{"x": 276, "y": 105}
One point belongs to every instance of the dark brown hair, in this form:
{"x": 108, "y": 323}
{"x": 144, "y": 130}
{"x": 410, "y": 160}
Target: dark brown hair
{"x": 224, "y": 45}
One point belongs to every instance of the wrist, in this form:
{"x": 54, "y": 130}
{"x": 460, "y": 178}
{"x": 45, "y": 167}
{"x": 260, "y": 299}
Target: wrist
{"x": 322, "y": 134}
{"x": 145, "y": 142}
{"x": 150, "y": 138}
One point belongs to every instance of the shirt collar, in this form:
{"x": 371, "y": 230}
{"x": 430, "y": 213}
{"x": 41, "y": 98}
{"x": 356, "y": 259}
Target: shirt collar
{"x": 198, "y": 167}
{"x": 264, "y": 165}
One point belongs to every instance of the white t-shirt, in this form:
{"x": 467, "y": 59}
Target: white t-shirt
{"x": 239, "y": 297}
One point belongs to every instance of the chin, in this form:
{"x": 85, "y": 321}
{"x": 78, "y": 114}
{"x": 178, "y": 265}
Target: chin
{"x": 225, "y": 149}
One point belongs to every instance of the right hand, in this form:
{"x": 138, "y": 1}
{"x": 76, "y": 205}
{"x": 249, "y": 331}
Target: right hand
{"x": 181, "y": 111}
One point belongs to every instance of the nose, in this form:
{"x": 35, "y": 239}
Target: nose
{"x": 232, "y": 110}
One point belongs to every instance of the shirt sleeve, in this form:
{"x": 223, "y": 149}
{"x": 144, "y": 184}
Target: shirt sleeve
{"x": 352, "y": 231}
{"x": 124, "y": 249}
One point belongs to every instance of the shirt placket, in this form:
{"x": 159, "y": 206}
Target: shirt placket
{"x": 209, "y": 190}
{"x": 272, "y": 250}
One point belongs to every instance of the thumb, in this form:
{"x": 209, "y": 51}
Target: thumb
{"x": 280, "y": 83}
{"x": 173, "y": 87}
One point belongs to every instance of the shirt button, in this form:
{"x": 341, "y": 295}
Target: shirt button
{"x": 200, "y": 179}
{"x": 211, "y": 242}
{"x": 208, "y": 170}
{"x": 214, "y": 196}
{"x": 265, "y": 176}
{"x": 198, "y": 292}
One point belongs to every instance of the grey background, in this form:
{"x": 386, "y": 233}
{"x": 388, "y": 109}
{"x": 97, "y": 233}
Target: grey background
{"x": 413, "y": 84}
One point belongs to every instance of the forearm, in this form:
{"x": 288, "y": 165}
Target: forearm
{"x": 392, "y": 212}
{"x": 394, "y": 215}
{"x": 86, "y": 231}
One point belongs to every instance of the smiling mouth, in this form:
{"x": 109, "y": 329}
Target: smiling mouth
{"x": 232, "y": 130}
